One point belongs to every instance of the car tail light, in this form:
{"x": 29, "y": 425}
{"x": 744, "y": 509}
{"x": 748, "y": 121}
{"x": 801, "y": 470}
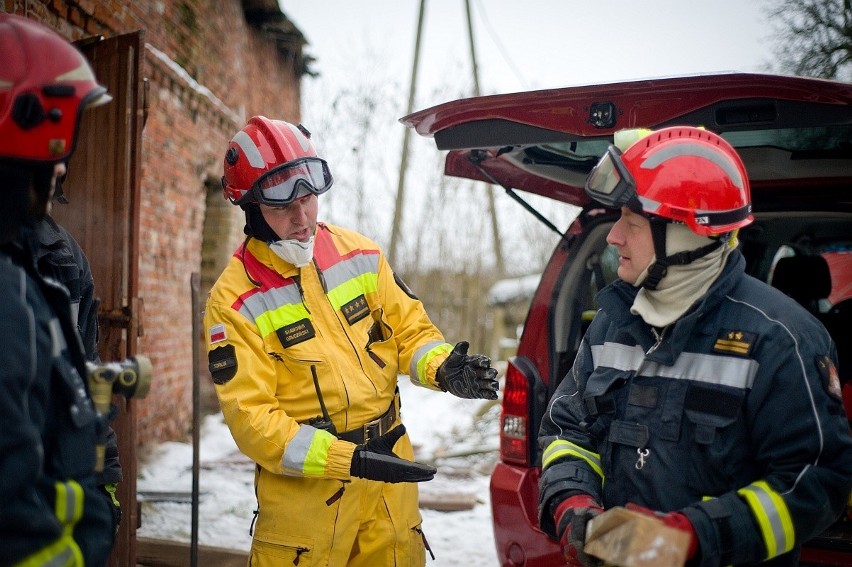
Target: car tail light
{"x": 514, "y": 420}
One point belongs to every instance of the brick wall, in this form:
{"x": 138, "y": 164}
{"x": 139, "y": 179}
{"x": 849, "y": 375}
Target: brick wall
{"x": 209, "y": 70}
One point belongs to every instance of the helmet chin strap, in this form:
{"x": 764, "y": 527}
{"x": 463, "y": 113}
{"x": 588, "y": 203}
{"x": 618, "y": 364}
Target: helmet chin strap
{"x": 657, "y": 271}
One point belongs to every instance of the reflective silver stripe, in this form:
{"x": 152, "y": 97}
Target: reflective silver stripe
{"x": 261, "y": 302}
{"x": 706, "y": 368}
{"x": 249, "y": 149}
{"x": 62, "y": 559}
{"x": 345, "y": 270}
{"x": 57, "y": 339}
{"x": 423, "y": 351}
{"x": 695, "y": 150}
{"x": 296, "y": 454}
{"x": 772, "y": 516}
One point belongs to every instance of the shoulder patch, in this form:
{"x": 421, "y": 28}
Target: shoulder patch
{"x": 734, "y": 342}
{"x": 222, "y": 362}
{"x": 404, "y": 287}
{"x": 830, "y": 377}
{"x": 217, "y": 333}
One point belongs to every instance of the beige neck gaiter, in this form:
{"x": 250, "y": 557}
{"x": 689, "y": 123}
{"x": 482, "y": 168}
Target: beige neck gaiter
{"x": 683, "y": 285}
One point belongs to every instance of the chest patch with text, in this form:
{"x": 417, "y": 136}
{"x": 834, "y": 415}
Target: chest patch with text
{"x": 296, "y": 333}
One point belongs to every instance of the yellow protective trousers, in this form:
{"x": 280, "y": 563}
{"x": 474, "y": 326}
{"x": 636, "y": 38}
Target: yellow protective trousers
{"x": 326, "y": 522}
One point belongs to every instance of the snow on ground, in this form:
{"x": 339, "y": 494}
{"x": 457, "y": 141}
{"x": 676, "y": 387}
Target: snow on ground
{"x": 459, "y": 436}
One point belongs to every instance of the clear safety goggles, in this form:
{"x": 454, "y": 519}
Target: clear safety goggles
{"x": 611, "y": 184}
{"x": 289, "y": 181}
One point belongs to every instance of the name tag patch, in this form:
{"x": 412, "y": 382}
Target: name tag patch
{"x": 735, "y": 342}
{"x": 356, "y": 309}
{"x": 298, "y": 332}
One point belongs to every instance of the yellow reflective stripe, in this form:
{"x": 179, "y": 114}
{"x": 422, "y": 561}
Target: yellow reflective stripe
{"x": 306, "y": 453}
{"x": 772, "y": 515}
{"x": 423, "y": 361}
{"x": 562, "y": 448}
{"x": 64, "y": 552}
{"x": 69, "y": 502}
{"x": 352, "y": 288}
{"x": 280, "y": 317}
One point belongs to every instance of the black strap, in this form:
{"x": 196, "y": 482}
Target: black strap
{"x": 374, "y": 428}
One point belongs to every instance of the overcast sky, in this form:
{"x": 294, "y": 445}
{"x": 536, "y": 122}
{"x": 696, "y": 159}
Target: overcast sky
{"x": 532, "y": 44}
{"x": 364, "y": 50}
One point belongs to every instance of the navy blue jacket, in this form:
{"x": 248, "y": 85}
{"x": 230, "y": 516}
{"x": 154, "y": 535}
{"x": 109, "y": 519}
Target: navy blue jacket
{"x": 734, "y": 418}
{"x": 48, "y": 424}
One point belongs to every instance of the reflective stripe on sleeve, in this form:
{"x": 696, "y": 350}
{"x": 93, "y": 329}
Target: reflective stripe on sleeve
{"x": 706, "y": 368}
{"x": 562, "y": 448}
{"x": 421, "y": 358}
{"x": 64, "y": 552}
{"x": 772, "y": 515}
{"x": 307, "y": 452}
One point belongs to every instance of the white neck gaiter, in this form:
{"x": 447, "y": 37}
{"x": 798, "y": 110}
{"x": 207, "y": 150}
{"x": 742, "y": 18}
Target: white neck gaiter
{"x": 683, "y": 285}
{"x": 294, "y": 251}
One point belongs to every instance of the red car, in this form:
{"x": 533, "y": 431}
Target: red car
{"x": 795, "y": 137}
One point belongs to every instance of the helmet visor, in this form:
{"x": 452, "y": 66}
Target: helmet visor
{"x": 611, "y": 184}
{"x": 292, "y": 180}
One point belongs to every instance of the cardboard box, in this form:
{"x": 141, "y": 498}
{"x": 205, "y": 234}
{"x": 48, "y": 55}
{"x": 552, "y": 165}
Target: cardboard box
{"x": 624, "y": 538}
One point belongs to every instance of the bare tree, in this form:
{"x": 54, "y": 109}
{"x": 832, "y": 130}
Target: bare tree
{"x": 814, "y": 37}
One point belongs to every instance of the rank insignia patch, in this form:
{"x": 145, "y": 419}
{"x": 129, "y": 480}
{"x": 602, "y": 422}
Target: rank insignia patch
{"x": 830, "y": 377}
{"x": 356, "y": 309}
{"x": 734, "y": 342}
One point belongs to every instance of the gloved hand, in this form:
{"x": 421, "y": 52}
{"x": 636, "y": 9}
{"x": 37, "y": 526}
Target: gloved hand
{"x": 469, "y": 377}
{"x": 571, "y": 517}
{"x": 676, "y": 520}
{"x": 375, "y": 460}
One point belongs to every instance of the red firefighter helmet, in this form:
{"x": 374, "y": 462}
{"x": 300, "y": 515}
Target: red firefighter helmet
{"x": 273, "y": 162}
{"x": 684, "y": 174}
{"x": 45, "y": 84}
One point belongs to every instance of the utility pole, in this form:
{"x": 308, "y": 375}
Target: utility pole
{"x": 403, "y": 163}
{"x": 492, "y": 209}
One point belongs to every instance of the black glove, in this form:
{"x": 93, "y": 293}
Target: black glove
{"x": 376, "y": 461}
{"x": 469, "y": 377}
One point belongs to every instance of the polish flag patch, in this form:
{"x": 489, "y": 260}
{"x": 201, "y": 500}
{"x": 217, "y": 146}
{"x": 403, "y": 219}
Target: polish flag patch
{"x": 217, "y": 333}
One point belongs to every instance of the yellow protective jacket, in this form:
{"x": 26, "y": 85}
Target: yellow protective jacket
{"x": 346, "y": 316}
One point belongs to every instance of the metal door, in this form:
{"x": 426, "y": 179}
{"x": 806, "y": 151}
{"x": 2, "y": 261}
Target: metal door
{"x": 103, "y": 215}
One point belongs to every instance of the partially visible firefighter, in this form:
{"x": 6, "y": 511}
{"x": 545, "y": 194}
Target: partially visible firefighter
{"x": 308, "y": 329}
{"x": 51, "y": 511}
{"x": 700, "y": 396}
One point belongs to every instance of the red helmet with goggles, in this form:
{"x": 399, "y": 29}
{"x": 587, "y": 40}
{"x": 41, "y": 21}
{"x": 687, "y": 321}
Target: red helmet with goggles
{"x": 45, "y": 84}
{"x": 273, "y": 162}
{"x": 683, "y": 174}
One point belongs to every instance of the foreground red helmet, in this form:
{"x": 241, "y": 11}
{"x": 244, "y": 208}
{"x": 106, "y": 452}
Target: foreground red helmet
{"x": 45, "y": 84}
{"x": 683, "y": 174}
{"x": 273, "y": 162}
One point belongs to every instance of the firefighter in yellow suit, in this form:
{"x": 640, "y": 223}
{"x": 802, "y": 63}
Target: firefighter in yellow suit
{"x": 308, "y": 328}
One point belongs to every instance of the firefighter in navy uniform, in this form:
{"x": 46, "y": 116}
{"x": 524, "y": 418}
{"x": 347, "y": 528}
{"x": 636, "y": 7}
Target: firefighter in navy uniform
{"x": 59, "y": 257}
{"x": 308, "y": 330}
{"x": 51, "y": 512}
{"x": 699, "y": 395}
